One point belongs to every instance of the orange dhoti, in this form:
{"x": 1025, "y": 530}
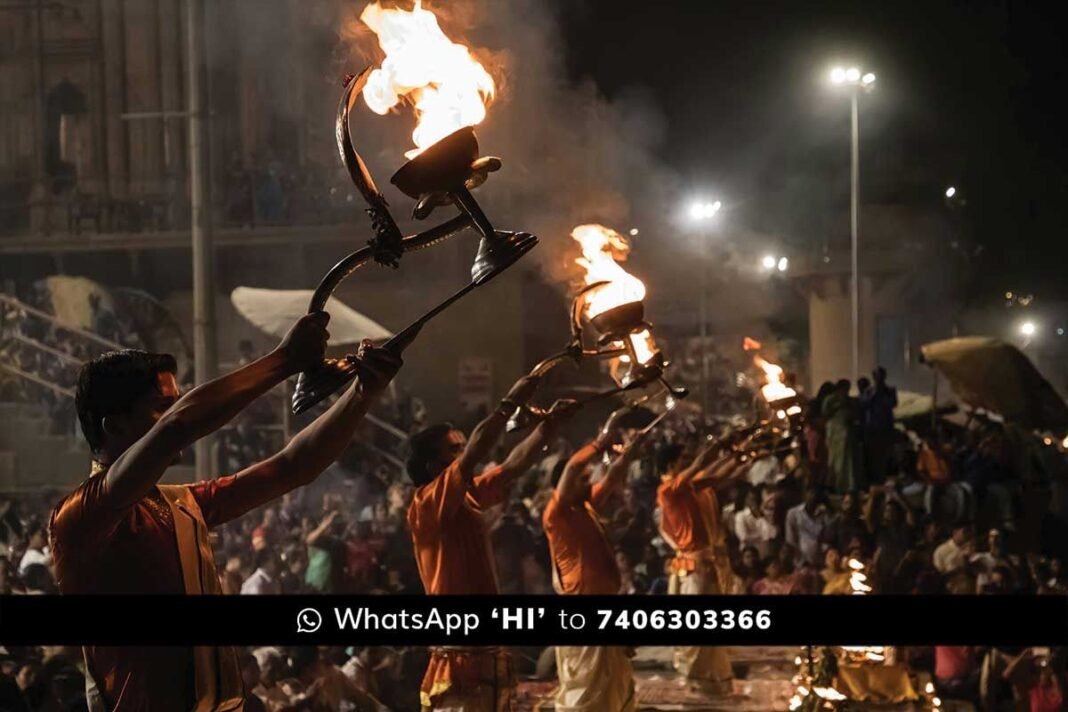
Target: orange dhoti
{"x": 468, "y": 680}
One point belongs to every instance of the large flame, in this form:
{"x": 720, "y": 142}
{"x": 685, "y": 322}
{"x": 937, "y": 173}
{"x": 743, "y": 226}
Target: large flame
{"x": 601, "y": 248}
{"x": 774, "y": 389}
{"x": 448, "y": 87}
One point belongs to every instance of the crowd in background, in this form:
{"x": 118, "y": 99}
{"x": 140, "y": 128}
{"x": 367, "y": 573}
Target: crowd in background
{"x": 927, "y": 507}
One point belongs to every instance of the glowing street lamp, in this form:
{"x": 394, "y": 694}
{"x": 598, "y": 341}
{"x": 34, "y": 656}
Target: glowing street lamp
{"x": 858, "y": 81}
{"x": 951, "y": 191}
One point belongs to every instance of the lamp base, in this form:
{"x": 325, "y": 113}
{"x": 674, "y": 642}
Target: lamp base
{"x": 498, "y": 253}
{"x": 315, "y": 385}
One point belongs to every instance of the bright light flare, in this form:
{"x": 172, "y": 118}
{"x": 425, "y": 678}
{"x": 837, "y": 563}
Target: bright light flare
{"x": 1028, "y": 328}
{"x": 852, "y": 74}
{"x": 951, "y": 191}
{"x": 448, "y": 87}
{"x": 867, "y": 79}
{"x": 703, "y": 211}
{"x": 783, "y": 264}
{"x": 768, "y": 262}
{"x": 838, "y": 75}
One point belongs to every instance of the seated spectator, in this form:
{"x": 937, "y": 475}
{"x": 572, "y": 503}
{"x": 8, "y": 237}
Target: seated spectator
{"x": 956, "y": 672}
{"x": 775, "y": 581}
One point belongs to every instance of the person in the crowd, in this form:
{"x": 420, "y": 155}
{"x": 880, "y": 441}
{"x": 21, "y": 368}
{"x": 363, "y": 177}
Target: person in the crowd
{"x": 752, "y": 525}
{"x": 952, "y": 556}
{"x": 591, "y": 677}
{"x": 846, "y": 528}
{"x": 805, "y": 525}
{"x": 264, "y": 580}
{"x": 116, "y": 532}
{"x": 878, "y": 402}
{"x": 956, "y": 672}
{"x": 844, "y": 465}
{"x": 775, "y": 582}
{"x": 37, "y": 551}
{"x": 451, "y": 543}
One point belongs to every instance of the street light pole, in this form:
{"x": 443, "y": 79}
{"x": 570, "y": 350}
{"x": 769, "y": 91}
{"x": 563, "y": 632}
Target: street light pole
{"x": 855, "y": 80}
{"x": 854, "y": 210}
{"x": 704, "y": 318}
{"x": 701, "y": 212}
{"x": 205, "y": 354}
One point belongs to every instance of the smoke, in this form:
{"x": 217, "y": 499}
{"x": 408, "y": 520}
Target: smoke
{"x": 570, "y": 155}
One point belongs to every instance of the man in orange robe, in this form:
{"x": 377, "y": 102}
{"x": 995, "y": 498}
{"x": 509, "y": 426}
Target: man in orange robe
{"x": 691, "y": 528}
{"x": 592, "y": 678}
{"x": 451, "y": 543}
{"x": 121, "y": 532}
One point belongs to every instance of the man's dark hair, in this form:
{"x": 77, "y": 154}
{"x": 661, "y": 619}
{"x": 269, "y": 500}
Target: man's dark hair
{"x": 667, "y": 456}
{"x": 110, "y": 385}
{"x": 264, "y": 557}
{"x": 423, "y": 446}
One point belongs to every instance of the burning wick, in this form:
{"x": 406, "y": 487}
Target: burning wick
{"x": 449, "y": 88}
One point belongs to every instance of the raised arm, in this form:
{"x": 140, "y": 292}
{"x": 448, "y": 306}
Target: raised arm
{"x": 705, "y": 458}
{"x": 615, "y": 478}
{"x": 570, "y": 489}
{"x": 572, "y": 485}
{"x": 309, "y": 452}
{"x": 487, "y": 433}
{"x": 526, "y": 453}
{"x": 722, "y": 472}
{"x": 208, "y": 407}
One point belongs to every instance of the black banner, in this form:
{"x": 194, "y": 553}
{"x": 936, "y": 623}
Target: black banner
{"x": 534, "y": 620}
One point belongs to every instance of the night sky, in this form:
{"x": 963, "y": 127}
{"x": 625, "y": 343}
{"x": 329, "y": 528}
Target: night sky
{"x": 967, "y": 94}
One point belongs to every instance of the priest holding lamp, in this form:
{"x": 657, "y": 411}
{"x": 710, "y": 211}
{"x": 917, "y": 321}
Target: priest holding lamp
{"x": 120, "y": 532}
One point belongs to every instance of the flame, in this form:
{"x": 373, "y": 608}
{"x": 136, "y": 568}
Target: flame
{"x": 448, "y": 87}
{"x": 751, "y": 344}
{"x": 774, "y": 389}
{"x": 601, "y": 246}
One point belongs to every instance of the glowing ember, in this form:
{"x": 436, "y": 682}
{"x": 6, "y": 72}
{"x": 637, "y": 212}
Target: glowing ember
{"x": 448, "y": 87}
{"x": 750, "y": 344}
{"x": 774, "y": 389}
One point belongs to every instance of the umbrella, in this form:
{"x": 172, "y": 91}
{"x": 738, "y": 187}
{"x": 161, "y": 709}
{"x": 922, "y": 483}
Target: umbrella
{"x": 273, "y": 311}
{"x": 990, "y": 374}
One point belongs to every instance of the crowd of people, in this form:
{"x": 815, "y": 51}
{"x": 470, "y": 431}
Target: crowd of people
{"x": 938, "y": 510}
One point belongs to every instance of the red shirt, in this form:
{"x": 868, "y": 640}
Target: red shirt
{"x": 100, "y": 549}
{"x": 449, "y": 536}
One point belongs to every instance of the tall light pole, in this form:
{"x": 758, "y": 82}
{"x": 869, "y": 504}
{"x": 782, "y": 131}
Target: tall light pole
{"x": 857, "y": 82}
{"x": 205, "y": 355}
{"x": 702, "y": 212}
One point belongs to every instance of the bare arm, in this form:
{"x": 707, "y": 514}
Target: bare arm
{"x": 324, "y": 526}
{"x": 570, "y": 487}
{"x": 207, "y": 408}
{"x": 703, "y": 460}
{"x": 487, "y": 433}
{"x": 308, "y": 453}
{"x": 525, "y": 454}
{"x": 615, "y": 478}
